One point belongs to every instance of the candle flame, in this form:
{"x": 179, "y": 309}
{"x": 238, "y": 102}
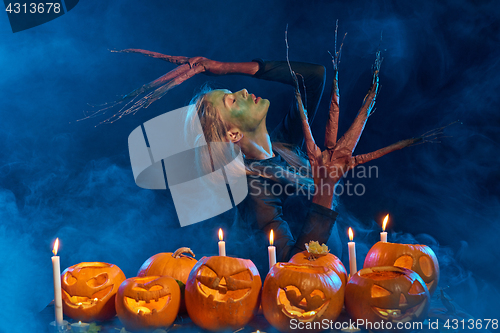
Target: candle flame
{"x": 271, "y": 237}
{"x": 79, "y": 322}
{"x": 384, "y": 224}
{"x": 56, "y": 247}
{"x": 221, "y": 235}
{"x": 351, "y": 235}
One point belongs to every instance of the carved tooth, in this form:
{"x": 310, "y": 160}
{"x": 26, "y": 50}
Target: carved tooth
{"x": 154, "y": 311}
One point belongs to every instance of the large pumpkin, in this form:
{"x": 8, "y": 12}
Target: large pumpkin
{"x": 177, "y": 265}
{"x": 223, "y": 292}
{"x": 418, "y": 258}
{"x": 382, "y": 297}
{"x": 148, "y": 302}
{"x": 302, "y": 296}
{"x": 89, "y": 289}
{"x": 321, "y": 258}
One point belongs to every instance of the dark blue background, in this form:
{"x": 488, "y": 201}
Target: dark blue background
{"x": 71, "y": 179}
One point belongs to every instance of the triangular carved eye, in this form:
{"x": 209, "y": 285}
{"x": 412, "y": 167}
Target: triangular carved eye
{"x": 208, "y": 277}
{"x": 240, "y": 280}
{"x": 98, "y": 281}
{"x": 69, "y": 279}
{"x": 416, "y": 289}
{"x": 378, "y": 291}
{"x": 319, "y": 293}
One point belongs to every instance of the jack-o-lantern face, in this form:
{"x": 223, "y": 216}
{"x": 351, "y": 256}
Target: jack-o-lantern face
{"x": 148, "y": 302}
{"x": 222, "y": 292}
{"x": 387, "y": 294}
{"x": 419, "y": 258}
{"x": 177, "y": 265}
{"x": 303, "y": 292}
{"x": 89, "y": 289}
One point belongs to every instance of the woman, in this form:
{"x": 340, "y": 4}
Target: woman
{"x": 280, "y": 195}
{"x": 273, "y": 166}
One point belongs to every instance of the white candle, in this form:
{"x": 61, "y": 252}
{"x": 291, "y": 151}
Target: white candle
{"x": 56, "y": 269}
{"x": 271, "y": 250}
{"x": 383, "y": 234}
{"x": 79, "y": 327}
{"x": 352, "y": 254}
{"x": 222, "y": 244}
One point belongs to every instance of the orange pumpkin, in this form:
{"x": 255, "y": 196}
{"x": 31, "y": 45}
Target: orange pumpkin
{"x": 321, "y": 259}
{"x": 304, "y": 293}
{"x": 89, "y": 289}
{"x": 148, "y": 302}
{"x": 382, "y": 297}
{"x": 419, "y": 258}
{"x": 177, "y": 265}
{"x": 223, "y": 293}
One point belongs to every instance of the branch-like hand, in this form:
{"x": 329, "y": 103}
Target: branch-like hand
{"x": 188, "y": 67}
{"x": 330, "y": 165}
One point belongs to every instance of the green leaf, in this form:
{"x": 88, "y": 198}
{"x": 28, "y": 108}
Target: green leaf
{"x": 94, "y": 328}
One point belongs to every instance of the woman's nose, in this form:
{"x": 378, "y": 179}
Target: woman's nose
{"x": 244, "y": 93}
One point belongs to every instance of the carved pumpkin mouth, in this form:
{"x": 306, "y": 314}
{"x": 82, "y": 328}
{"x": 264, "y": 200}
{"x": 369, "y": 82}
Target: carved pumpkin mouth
{"x": 84, "y": 302}
{"x": 398, "y": 314}
{"x": 294, "y": 308}
{"x": 222, "y": 293}
{"x": 149, "y": 307}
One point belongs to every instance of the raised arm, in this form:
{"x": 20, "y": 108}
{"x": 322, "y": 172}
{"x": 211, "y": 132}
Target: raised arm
{"x": 278, "y": 71}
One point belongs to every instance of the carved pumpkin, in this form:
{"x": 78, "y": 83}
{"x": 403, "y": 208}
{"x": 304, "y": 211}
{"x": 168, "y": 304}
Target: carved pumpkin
{"x": 89, "y": 289}
{"x": 303, "y": 292}
{"x": 177, "y": 265}
{"x": 386, "y": 294}
{"x": 321, "y": 258}
{"x": 223, "y": 292}
{"x": 419, "y": 258}
{"x": 148, "y": 302}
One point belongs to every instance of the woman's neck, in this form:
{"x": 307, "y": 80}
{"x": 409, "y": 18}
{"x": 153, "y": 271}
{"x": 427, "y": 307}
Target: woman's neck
{"x": 257, "y": 145}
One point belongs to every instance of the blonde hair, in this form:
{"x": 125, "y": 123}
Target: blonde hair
{"x": 213, "y": 156}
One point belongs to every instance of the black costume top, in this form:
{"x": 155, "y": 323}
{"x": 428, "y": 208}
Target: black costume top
{"x": 272, "y": 205}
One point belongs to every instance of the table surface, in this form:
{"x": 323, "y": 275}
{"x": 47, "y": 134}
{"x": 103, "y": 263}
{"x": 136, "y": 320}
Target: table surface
{"x": 438, "y": 311}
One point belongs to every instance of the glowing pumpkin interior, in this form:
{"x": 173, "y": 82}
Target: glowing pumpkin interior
{"x": 147, "y": 300}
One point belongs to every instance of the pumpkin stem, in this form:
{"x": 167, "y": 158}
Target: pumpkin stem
{"x": 180, "y": 251}
{"x": 312, "y": 257}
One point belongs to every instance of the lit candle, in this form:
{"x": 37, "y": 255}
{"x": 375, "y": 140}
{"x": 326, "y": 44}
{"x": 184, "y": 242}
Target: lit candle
{"x": 79, "y": 327}
{"x": 383, "y": 234}
{"x": 271, "y": 250}
{"x": 56, "y": 269}
{"x": 222, "y": 244}
{"x": 352, "y": 254}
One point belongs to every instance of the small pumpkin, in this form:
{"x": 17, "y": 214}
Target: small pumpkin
{"x": 419, "y": 258}
{"x": 303, "y": 292}
{"x": 89, "y": 289}
{"x": 148, "y": 302}
{"x": 223, "y": 292}
{"x": 177, "y": 265}
{"x": 319, "y": 256}
{"x": 383, "y": 296}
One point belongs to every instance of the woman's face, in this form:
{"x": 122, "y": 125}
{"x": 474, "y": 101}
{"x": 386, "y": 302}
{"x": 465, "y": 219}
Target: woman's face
{"x": 240, "y": 109}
